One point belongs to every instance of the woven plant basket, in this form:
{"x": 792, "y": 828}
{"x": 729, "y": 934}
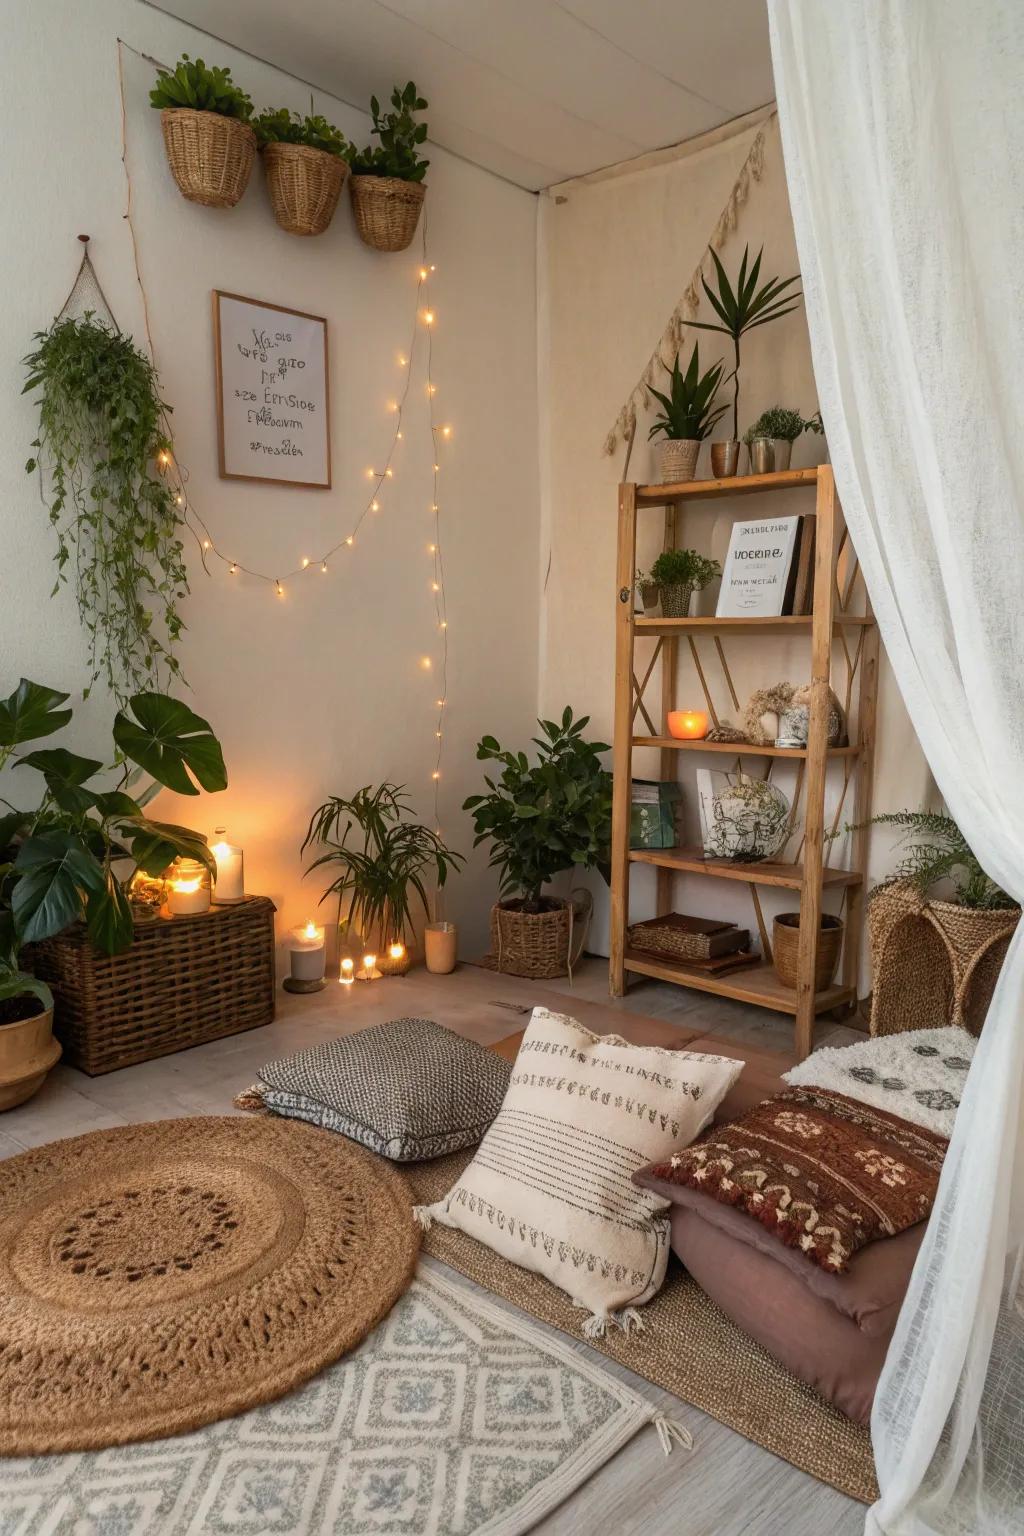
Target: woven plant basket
{"x": 386, "y": 210}
{"x": 675, "y": 601}
{"x": 786, "y": 947}
{"x": 540, "y": 944}
{"x": 184, "y": 980}
{"x": 933, "y": 962}
{"x": 211, "y": 157}
{"x": 304, "y": 186}
{"x": 677, "y": 459}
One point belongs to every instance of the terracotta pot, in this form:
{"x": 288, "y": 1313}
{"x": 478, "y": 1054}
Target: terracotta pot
{"x": 27, "y": 1052}
{"x": 786, "y": 943}
{"x": 677, "y": 459}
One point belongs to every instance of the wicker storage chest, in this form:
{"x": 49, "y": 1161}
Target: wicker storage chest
{"x": 185, "y": 980}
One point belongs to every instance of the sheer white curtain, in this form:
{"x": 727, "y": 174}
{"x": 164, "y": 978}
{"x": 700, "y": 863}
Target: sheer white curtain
{"x": 903, "y": 131}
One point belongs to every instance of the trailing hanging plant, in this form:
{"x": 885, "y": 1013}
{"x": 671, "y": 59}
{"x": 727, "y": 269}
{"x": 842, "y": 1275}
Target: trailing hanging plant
{"x": 400, "y": 135}
{"x": 101, "y": 443}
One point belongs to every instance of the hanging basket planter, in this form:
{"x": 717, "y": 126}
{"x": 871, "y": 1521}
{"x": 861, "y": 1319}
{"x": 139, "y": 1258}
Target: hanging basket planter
{"x": 386, "y": 210}
{"x": 304, "y": 186}
{"x": 210, "y": 156}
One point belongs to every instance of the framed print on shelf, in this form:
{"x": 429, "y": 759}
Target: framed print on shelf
{"x": 273, "y": 394}
{"x": 756, "y": 577}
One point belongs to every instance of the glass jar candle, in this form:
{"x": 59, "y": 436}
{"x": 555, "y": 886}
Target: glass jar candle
{"x": 188, "y": 888}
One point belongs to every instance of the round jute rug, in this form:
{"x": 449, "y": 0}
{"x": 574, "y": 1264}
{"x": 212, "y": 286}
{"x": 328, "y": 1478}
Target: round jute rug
{"x": 158, "y": 1277}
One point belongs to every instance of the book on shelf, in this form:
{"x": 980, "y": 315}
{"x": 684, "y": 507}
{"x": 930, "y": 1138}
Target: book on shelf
{"x": 800, "y": 597}
{"x": 654, "y": 816}
{"x": 756, "y": 576}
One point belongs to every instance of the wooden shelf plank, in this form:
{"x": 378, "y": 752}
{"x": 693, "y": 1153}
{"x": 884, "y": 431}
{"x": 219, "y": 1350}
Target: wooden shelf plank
{"x": 734, "y": 748}
{"x": 757, "y": 984}
{"x": 691, "y": 861}
{"x": 711, "y": 624}
{"x": 736, "y": 485}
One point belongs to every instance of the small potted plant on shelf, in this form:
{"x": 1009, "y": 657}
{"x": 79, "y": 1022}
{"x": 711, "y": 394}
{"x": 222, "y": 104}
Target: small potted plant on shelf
{"x": 739, "y": 311}
{"x": 304, "y": 159}
{"x": 770, "y": 440}
{"x": 74, "y": 856}
{"x": 208, "y": 136}
{"x": 383, "y": 861}
{"x": 687, "y": 418}
{"x": 541, "y": 819}
{"x": 647, "y": 587}
{"x": 679, "y": 573}
{"x": 387, "y": 179}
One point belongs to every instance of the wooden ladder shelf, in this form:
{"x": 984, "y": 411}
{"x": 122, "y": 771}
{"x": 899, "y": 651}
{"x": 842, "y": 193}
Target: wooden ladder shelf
{"x": 830, "y": 627}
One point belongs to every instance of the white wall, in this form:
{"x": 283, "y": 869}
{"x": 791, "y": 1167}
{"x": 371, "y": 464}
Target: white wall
{"x": 616, "y": 256}
{"x": 323, "y": 691}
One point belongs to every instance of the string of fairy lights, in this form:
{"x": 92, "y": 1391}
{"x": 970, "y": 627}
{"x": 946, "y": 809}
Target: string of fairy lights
{"x": 380, "y": 476}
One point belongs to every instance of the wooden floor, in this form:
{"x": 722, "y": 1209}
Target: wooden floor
{"x": 726, "y": 1486}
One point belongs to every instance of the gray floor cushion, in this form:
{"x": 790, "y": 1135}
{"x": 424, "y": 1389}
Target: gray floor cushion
{"x": 409, "y": 1089}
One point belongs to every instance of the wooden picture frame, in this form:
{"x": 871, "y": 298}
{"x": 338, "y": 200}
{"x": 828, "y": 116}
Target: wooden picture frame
{"x": 273, "y": 393}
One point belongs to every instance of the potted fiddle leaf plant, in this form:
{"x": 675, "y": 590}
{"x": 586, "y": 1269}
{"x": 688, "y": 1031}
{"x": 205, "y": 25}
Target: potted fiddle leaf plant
{"x": 383, "y": 859}
{"x": 541, "y": 819}
{"x": 305, "y": 165}
{"x": 386, "y": 183}
{"x": 678, "y": 574}
{"x": 71, "y": 858}
{"x": 208, "y": 135}
{"x": 687, "y": 416}
{"x": 739, "y": 310}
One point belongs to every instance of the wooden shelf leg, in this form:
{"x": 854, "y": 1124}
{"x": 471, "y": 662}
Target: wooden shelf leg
{"x": 669, "y": 766}
{"x": 622, "y": 747}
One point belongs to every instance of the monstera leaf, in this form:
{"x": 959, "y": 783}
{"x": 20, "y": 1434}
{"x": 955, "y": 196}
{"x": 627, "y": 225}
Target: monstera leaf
{"x": 155, "y": 844}
{"x": 54, "y": 868}
{"x": 65, "y": 773}
{"x": 171, "y": 743}
{"x": 109, "y": 917}
{"x": 31, "y": 711}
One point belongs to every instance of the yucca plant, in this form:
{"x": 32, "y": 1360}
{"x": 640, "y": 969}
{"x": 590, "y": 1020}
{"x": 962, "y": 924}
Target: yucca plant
{"x": 937, "y": 850}
{"x": 384, "y": 865}
{"x": 745, "y": 308}
{"x": 687, "y": 411}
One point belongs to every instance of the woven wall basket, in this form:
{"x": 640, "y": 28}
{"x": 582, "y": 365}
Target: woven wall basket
{"x": 540, "y": 944}
{"x": 304, "y": 186}
{"x": 933, "y": 962}
{"x": 386, "y": 210}
{"x": 211, "y": 157}
{"x": 183, "y": 981}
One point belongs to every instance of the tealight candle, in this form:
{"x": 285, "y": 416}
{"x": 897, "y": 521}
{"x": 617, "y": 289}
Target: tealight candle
{"x": 188, "y": 892}
{"x": 396, "y": 951}
{"x": 687, "y": 724}
{"x": 230, "y": 879}
{"x": 347, "y": 967}
{"x": 308, "y": 953}
{"x": 369, "y": 971}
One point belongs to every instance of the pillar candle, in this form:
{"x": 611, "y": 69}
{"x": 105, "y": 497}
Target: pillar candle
{"x": 308, "y": 953}
{"x": 439, "y": 943}
{"x": 230, "y": 884}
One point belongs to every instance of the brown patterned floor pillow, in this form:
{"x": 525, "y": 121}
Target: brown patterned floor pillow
{"x": 825, "y": 1174}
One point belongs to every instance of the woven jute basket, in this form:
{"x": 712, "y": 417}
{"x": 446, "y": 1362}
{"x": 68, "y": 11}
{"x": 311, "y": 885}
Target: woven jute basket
{"x": 933, "y": 962}
{"x": 183, "y": 981}
{"x": 540, "y": 944}
{"x": 211, "y": 157}
{"x": 786, "y": 947}
{"x": 304, "y": 186}
{"x": 386, "y": 210}
{"x": 677, "y": 459}
{"x": 675, "y": 600}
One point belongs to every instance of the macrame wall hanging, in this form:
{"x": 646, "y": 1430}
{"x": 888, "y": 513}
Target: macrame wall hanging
{"x": 639, "y": 397}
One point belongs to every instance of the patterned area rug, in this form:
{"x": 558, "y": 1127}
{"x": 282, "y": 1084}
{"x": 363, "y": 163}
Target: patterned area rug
{"x": 688, "y": 1346}
{"x": 158, "y": 1277}
{"x": 453, "y": 1416}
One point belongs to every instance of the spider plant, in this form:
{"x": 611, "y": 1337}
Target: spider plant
{"x": 383, "y": 860}
{"x": 744, "y": 309}
{"x": 687, "y": 411}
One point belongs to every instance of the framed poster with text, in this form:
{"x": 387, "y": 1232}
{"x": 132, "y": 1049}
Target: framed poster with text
{"x": 273, "y": 397}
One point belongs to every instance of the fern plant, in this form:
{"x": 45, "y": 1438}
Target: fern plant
{"x": 101, "y": 444}
{"x": 936, "y": 850}
{"x": 191, "y": 84}
{"x": 687, "y": 410}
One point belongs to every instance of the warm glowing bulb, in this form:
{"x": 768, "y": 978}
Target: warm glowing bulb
{"x": 390, "y": 473}
{"x": 232, "y": 569}
{"x": 305, "y": 561}
{"x": 280, "y": 589}
{"x": 434, "y": 587}
{"x": 423, "y": 274}
{"x": 398, "y": 436}
{"x": 426, "y": 663}
{"x": 371, "y": 474}
{"x": 428, "y": 317}
{"x": 350, "y": 540}
{"x": 163, "y": 459}
{"x": 392, "y": 405}
{"x": 323, "y": 565}
{"x": 446, "y": 431}
{"x": 403, "y": 362}
{"x": 396, "y": 951}
{"x": 438, "y": 735}
{"x": 431, "y": 389}
{"x": 179, "y": 498}
{"x": 436, "y": 468}
{"x": 440, "y": 703}
{"x": 433, "y": 268}
{"x": 444, "y": 623}
{"x": 435, "y": 774}
{"x": 433, "y": 505}
{"x": 206, "y": 543}
{"x": 431, "y": 549}
{"x": 374, "y": 506}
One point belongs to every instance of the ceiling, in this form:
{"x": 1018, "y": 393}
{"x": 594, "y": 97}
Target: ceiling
{"x": 536, "y": 91}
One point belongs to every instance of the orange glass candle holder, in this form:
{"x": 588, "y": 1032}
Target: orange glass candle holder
{"x": 687, "y": 724}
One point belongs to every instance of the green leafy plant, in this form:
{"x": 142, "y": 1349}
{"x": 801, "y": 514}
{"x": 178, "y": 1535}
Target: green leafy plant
{"x": 74, "y": 855}
{"x": 777, "y": 422}
{"x": 284, "y": 127}
{"x": 192, "y": 84}
{"x": 743, "y": 309}
{"x": 546, "y": 817}
{"x": 102, "y": 440}
{"x": 936, "y": 851}
{"x": 400, "y": 135}
{"x": 687, "y": 413}
{"x": 815, "y": 424}
{"x": 385, "y": 863}
{"x": 684, "y": 568}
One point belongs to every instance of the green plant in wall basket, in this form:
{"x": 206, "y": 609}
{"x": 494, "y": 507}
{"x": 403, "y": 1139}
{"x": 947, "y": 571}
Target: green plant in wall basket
{"x": 387, "y": 178}
{"x": 102, "y": 440}
{"x": 194, "y": 87}
{"x": 314, "y": 131}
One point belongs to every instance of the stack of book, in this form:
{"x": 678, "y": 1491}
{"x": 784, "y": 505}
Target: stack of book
{"x": 704, "y": 943}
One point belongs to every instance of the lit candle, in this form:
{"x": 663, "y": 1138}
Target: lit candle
{"x": 189, "y": 891}
{"x": 688, "y": 724}
{"x": 396, "y": 951}
{"x": 369, "y": 971}
{"x": 346, "y": 978}
{"x": 308, "y": 953}
{"x": 230, "y": 878}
